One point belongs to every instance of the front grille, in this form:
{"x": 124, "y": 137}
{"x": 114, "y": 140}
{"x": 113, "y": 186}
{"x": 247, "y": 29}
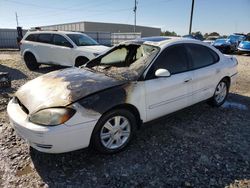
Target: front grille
{"x": 22, "y": 106}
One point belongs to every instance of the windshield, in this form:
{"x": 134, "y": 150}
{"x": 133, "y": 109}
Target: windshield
{"x": 247, "y": 38}
{"x": 82, "y": 40}
{"x": 236, "y": 37}
{"x": 125, "y": 62}
{"x": 220, "y": 41}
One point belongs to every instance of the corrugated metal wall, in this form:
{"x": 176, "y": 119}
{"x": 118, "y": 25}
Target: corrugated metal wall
{"x": 121, "y": 37}
{"x": 8, "y": 38}
{"x": 79, "y": 26}
{"x": 121, "y": 28}
{"x": 103, "y": 38}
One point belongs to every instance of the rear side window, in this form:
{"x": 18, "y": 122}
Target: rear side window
{"x": 44, "y": 38}
{"x": 201, "y": 55}
{"x": 31, "y": 37}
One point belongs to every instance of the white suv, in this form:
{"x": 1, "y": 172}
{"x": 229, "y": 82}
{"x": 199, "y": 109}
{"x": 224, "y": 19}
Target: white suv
{"x": 58, "y": 48}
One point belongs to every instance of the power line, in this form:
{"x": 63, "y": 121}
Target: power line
{"x": 61, "y": 10}
{"x": 76, "y": 19}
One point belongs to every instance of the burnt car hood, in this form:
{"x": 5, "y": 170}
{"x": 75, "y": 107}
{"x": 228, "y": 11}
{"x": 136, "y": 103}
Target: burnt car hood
{"x": 61, "y": 88}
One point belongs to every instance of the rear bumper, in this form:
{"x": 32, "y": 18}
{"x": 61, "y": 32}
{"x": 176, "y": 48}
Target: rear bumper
{"x": 49, "y": 139}
{"x": 233, "y": 79}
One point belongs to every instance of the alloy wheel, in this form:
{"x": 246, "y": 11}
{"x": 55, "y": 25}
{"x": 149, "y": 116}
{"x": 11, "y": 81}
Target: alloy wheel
{"x": 220, "y": 92}
{"x": 115, "y": 132}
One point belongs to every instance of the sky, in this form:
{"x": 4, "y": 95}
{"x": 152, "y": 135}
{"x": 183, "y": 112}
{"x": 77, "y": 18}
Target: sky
{"x": 223, "y": 16}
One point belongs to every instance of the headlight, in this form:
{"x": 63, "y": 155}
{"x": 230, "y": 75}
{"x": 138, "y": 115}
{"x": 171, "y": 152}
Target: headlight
{"x": 241, "y": 45}
{"x": 52, "y": 116}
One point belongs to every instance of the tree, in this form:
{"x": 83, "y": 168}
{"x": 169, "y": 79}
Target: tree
{"x": 214, "y": 34}
{"x": 168, "y": 33}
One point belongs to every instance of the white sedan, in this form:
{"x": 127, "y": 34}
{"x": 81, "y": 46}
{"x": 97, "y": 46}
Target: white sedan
{"x": 103, "y": 103}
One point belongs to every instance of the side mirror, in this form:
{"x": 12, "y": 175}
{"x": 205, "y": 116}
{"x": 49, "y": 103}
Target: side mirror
{"x": 162, "y": 73}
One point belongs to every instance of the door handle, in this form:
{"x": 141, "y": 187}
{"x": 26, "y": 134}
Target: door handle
{"x": 187, "y": 80}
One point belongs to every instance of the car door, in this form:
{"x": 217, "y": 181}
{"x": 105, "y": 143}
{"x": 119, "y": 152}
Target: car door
{"x": 168, "y": 94}
{"x": 62, "y": 51}
{"x": 42, "y": 47}
{"x": 206, "y": 71}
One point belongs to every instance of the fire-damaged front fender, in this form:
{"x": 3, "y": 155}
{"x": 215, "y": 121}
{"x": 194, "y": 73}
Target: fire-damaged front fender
{"x": 117, "y": 97}
{"x": 105, "y": 100}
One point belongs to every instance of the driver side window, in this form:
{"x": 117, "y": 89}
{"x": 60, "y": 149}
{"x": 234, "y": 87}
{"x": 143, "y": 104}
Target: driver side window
{"x": 173, "y": 58}
{"x": 61, "y": 41}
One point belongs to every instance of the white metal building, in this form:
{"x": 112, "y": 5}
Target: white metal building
{"x": 104, "y": 27}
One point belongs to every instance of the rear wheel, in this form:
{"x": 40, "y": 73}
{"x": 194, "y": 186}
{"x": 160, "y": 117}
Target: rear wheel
{"x": 31, "y": 61}
{"x": 114, "y": 131}
{"x": 81, "y": 61}
{"x": 220, "y": 93}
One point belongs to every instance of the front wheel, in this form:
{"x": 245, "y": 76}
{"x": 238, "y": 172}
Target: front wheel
{"x": 220, "y": 93}
{"x": 114, "y": 131}
{"x": 81, "y": 61}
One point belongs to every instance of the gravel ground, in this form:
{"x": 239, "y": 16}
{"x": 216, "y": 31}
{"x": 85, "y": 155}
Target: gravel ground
{"x": 200, "y": 146}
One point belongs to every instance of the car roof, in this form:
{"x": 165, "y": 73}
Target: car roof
{"x": 54, "y": 32}
{"x": 157, "y": 38}
{"x": 163, "y": 43}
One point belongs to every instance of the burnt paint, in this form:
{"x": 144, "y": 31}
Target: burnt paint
{"x": 102, "y": 101}
{"x": 61, "y": 88}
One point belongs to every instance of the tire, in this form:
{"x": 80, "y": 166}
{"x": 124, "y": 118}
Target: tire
{"x": 31, "y": 61}
{"x": 220, "y": 94}
{"x": 239, "y": 53}
{"x": 114, "y": 131}
{"x": 81, "y": 61}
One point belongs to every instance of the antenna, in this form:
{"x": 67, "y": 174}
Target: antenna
{"x": 135, "y": 9}
{"x": 17, "y": 20}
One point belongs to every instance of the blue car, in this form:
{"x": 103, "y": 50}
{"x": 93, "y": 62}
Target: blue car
{"x": 224, "y": 45}
{"x": 235, "y": 39}
{"x": 244, "y": 46}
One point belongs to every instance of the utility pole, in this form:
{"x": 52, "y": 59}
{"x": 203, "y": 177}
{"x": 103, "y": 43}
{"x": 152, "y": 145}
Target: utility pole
{"x": 17, "y": 20}
{"x": 191, "y": 18}
{"x": 135, "y": 9}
